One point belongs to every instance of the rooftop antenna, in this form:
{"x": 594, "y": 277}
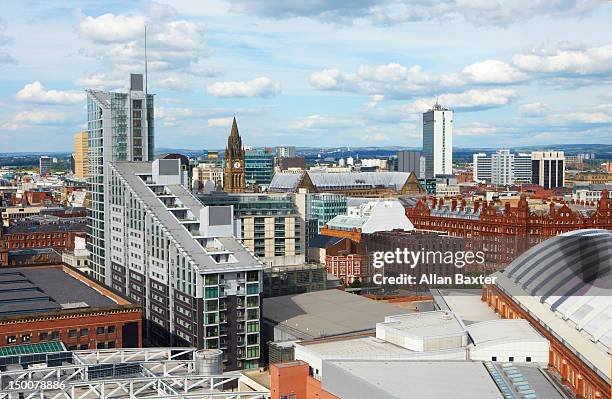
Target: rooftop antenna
{"x": 146, "y": 63}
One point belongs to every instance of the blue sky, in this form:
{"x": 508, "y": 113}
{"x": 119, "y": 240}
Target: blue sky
{"x": 313, "y": 73}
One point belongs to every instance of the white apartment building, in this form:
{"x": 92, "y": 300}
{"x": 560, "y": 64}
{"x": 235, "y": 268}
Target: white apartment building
{"x": 438, "y": 141}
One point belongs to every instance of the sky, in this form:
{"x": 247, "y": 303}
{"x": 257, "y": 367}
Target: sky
{"x": 312, "y": 73}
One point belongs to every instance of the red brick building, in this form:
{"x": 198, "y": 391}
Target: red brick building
{"x": 56, "y": 302}
{"x": 59, "y": 236}
{"x": 293, "y": 380}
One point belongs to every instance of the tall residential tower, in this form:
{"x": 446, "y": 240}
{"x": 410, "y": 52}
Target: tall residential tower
{"x": 438, "y": 141}
{"x": 120, "y": 128}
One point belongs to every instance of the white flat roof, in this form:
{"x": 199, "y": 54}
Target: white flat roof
{"x": 412, "y": 379}
{"x": 425, "y": 324}
{"x": 467, "y": 304}
{"x": 503, "y": 330}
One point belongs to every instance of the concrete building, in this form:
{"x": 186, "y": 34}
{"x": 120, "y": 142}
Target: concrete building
{"x": 438, "y": 141}
{"x": 502, "y": 168}
{"x": 78, "y": 257}
{"x": 120, "y": 128}
{"x": 81, "y": 148}
{"x": 197, "y": 283}
{"x": 411, "y": 161}
{"x": 207, "y": 171}
{"x": 268, "y": 225}
{"x": 548, "y": 169}
{"x": 48, "y": 303}
{"x": 522, "y": 168}
{"x": 44, "y": 165}
{"x": 285, "y": 152}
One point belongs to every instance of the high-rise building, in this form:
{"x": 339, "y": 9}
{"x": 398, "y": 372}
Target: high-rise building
{"x": 197, "y": 284}
{"x": 411, "y": 161}
{"x": 324, "y": 207}
{"x": 438, "y": 141}
{"x": 522, "y": 168}
{"x": 258, "y": 167}
{"x": 234, "y": 162}
{"x": 81, "y": 146}
{"x": 285, "y": 152}
{"x": 120, "y": 128}
{"x": 548, "y": 169}
{"x": 44, "y": 165}
{"x": 502, "y": 168}
{"x": 482, "y": 168}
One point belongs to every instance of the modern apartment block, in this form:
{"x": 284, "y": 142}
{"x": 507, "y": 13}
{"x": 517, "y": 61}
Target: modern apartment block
{"x": 548, "y": 169}
{"x": 269, "y": 225}
{"x": 44, "y": 165}
{"x": 120, "y": 128}
{"x": 197, "y": 284}
{"x": 438, "y": 141}
{"x": 80, "y": 154}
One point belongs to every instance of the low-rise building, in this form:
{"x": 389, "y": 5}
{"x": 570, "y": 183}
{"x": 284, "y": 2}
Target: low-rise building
{"x": 57, "y": 303}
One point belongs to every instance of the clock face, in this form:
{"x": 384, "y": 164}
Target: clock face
{"x": 236, "y": 164}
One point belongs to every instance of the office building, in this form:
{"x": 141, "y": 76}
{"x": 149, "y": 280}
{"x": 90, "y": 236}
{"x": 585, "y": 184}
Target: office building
{"x": 207, "y": 172}
{"x": 44, "y": 165}
{"x": 269, "y": 225}
{"x": 81, "y": 145}
{"x": 522, "y": 168}
{"x": 324, "y": 207}
{"x": 234, "y": 162}
{"x": 120, "y": 128}
{"x": 502, "y": 170}
{"x": 481, "y": 167}
{"x": 410, "y": 161}
{"x": 548, "y": 169}
{"x": 198, "y": 285}
{"x": 259, "y": 168}
{"x": 285, "y": 152}
{"x": 438, "y": 141}
{"x": 56, "y": 303}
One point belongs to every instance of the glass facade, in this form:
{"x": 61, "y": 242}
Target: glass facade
{"x": 258, "y": 167}
{"x": 324, "y": 207}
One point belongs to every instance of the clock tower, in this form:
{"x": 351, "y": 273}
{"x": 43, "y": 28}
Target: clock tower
{"x": 234, "y": 162}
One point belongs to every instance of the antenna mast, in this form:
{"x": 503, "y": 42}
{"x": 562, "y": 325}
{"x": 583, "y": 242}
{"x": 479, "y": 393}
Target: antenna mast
{"x": 145, "y": 55}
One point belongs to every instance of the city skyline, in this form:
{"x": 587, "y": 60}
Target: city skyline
{"x": 294, "y": 76}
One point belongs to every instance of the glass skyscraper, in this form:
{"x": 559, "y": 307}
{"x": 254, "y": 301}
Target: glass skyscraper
{"x": 120, "y": 128}
{"x": 258, "y": 167}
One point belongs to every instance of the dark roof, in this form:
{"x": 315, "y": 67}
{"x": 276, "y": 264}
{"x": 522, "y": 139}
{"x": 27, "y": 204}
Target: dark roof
{"x": 321, "y": 241}
{"x": 26, "y": 228}
{"x": 27, "y": 290}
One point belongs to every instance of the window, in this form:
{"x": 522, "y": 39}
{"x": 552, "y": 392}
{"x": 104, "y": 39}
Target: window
{"x": 55, "y": 335}
{"x": 84, "y": 332}
{"x": 111, "y": 329}
{"x": 100, "y": 330}
{"x": 100, "y": 345}
{"x": 494, "y": 358}
{"x": 111, "y": 344}
{"x": 528, "y": 359}
{"x": 511, "y": 359}
{"x": 26, "y": 338}
{"x": 84, "y": 347}
{"x": 72, "y": 348}
{"x": 72, "y": 333}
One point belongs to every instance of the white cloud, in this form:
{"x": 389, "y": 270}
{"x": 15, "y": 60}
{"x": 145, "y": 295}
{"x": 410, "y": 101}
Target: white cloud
{"x": 219, "y": 122}
{"x": 478, "y": 99}
{"x": 258, "y": 87}
{"x": 36, "y": 92}
{"x": 376, "y": 137}
{"x": 492, "y": 72}
{"x": 41, "y": 117}
{"x": 567, "y": 61}
{"x": 534, "y": 109}
{"x": 393, "y": 12}
{"x": 321, "y": 122}
{"x": 100, "y": 80}
{"x": 174, "y": 83}
{"x": 112, "y": 28}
